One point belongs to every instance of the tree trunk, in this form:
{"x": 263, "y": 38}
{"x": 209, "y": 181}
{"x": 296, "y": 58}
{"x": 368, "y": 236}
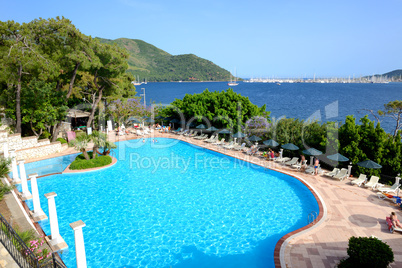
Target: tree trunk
{"x": 70, "y": 87}
{"x": 56, "y": 128}
{"x": 85, "y": 153}
{"x": 18, "y": 102}
{"x": 92, "y": 115}
{"x": 94, "y": 152}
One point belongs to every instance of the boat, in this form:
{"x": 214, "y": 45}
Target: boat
{"x": 136, "y": 83}
{"x": 233, "y": 83}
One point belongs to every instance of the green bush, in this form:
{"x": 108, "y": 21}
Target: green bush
{"x": 62, "y": 140}
{"x": 81, "y": 163}
{"x": 367, "y": 252}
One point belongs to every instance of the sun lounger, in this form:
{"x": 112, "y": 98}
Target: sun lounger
{"x": 212, "y": 139}
{"x": 390, "y": 197}
{"x": 292, "y": 162}
{"x": 341, "y": 175}
{"x": 311, "y": 170}
{"x": 240, "y": 147}
{"x": 222, "y": 141}
{"x": 332, "y": 173}
{"x": 386, "y": 189}
{"x": 229, "y": 146}
{"x": 359, "y": 181}
{"x": 282, "y": 160}
{"x": 298, "y": 166}
{"x": 373, "y": 182}
{"x": 391, "y": 227}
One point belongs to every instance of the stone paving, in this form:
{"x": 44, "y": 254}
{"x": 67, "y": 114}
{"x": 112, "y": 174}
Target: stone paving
{"x": 351, "y": 211}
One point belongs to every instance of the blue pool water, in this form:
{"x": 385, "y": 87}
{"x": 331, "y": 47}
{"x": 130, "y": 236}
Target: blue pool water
{"x": 172, "y": 204}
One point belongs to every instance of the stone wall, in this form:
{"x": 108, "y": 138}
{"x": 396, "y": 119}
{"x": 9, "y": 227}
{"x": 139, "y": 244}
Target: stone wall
{"x": 40, "y": 151}
{"x": 29, "y": 147}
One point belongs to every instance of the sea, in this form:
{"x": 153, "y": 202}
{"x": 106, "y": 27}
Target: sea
{"x": 305, "y": 101}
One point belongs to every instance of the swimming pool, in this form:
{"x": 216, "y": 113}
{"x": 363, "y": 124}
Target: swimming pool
{"x": 177, "y": 206}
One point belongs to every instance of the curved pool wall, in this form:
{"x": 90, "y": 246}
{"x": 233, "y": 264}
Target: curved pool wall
{"x": 188, "y": 207}
{"x": 48, "y": 166}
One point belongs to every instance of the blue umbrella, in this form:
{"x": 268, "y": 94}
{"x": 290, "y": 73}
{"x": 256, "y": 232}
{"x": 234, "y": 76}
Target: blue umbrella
{"x": 149, "y": 120}
{"x": 239, "y": 135}
{"x": 254, "y": 138}
{"x": 290, "y": 146}
{"x": 271, "y": 143}
{"x": 312, "y": 151}
{"x": 224, "y": 131}
{"x": 338, "y": 157}
{"x": 134, "y": 120}
{"x": 202, "y": 126}
{"x": 174, "y": 120}
{"x": 369, "y": 164}
{"x": 212, "y": 128}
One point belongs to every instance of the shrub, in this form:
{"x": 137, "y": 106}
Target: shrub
{"x": 62, "y": 140}
{"x": 81, "y": 163}
{"x": 367, "y": 252}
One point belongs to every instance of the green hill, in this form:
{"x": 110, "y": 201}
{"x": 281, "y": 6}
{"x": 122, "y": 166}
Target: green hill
{"x": 153, "y": 64}
{"x": 395, "y": 73}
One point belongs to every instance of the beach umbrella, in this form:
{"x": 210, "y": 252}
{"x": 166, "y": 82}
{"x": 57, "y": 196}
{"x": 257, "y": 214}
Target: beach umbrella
{"x": 224, "y": 131}
{"x": 290, "y": 146}
{"x": 192, "y": 124}
{"x": 312, "y": 151}
{"x": 271, "y": 143}
{"x": 212, "y": 129}
{"x": 338, "y": 157}
{"x": 202, "y": 126}
{"x": 254, "y": 138}
{"x": 159, "y": 117}
{"x": 174, "y": 120}
{"x": 239, "y": 135}
{"x": 150, "y": 120}
{"x": 369, "y": 164}
{"x": 134, "y": 120}
{"x": 144, "y": 117}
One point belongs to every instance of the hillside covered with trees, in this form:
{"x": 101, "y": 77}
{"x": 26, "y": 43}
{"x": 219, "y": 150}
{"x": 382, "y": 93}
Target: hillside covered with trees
{"x": 155, "y": 65}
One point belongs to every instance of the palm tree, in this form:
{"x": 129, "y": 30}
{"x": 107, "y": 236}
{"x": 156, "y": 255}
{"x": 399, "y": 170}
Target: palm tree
{"x": 4, "y": 170}
{"x": 108, "y": 146}
{"x": 80, "y": 143}
{"x": 4, "y": 166}
{"x": 99, "y": 139}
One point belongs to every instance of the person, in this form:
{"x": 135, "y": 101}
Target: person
{"x": 395, "y": 220}
{"x": 316, "y": 163}
{"x": 143, "y": 140}
{"x": 271, "y": 154}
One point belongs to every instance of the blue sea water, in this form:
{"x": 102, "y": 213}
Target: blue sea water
{"x": 172, "y": 204}
{"x": 331, "y": 101}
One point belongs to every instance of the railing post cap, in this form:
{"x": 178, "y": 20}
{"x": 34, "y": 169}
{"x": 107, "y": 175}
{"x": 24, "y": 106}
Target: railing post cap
{"x": 33, "y": 175}
{"x": 21, "y": 161}
{"x": 78, "y": 224}
{"x": 50, "y": 195}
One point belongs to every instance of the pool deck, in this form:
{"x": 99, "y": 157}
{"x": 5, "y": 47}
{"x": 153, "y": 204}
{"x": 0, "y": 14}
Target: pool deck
{"x": 350, "y": 211}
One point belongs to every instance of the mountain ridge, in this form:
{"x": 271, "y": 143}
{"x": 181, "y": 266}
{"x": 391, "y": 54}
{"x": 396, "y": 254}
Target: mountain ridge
{"x": 149, "y": 62}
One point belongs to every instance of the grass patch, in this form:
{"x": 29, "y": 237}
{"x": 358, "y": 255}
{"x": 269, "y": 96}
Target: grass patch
{"x": 62, "y": 140}
{"x": 81, "y": 163}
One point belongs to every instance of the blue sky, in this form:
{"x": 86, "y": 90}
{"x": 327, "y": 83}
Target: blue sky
{"x": 257, "y": 38}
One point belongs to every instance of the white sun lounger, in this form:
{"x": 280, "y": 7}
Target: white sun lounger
{"x": 292, "y": 162}
{"x": 341, "y": 175}
{"x": 359, "y": 181}
{"x": 373, "y": 182}
{"x": 332, "y": 173}
{"x": 386, "y": 189}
